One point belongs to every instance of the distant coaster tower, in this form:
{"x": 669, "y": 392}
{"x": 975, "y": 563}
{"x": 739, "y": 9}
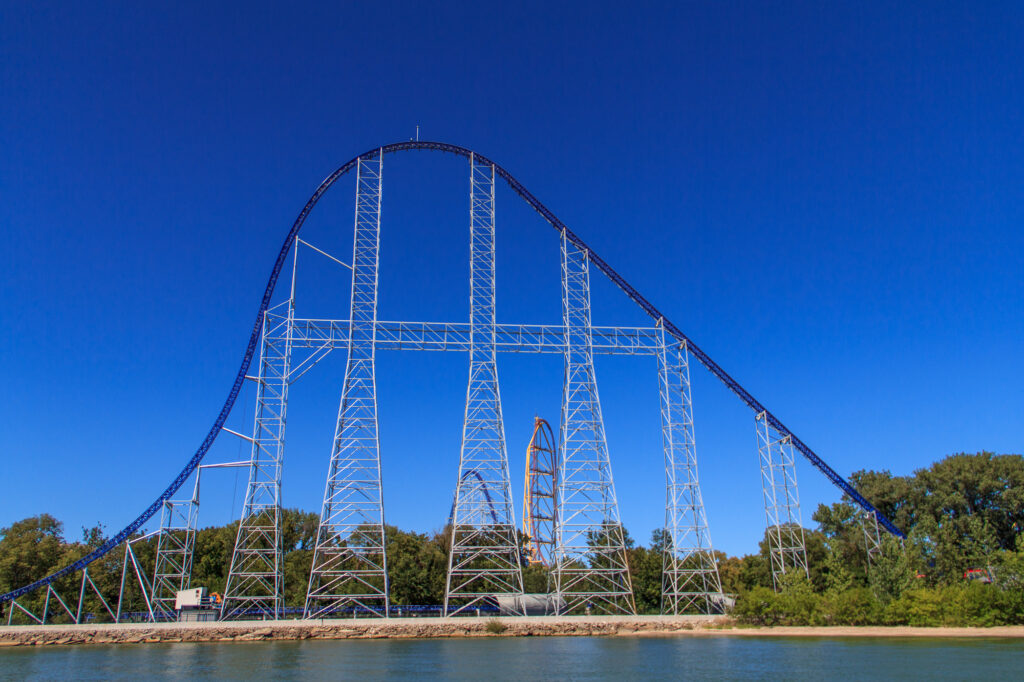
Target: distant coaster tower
{"x": 540, "y": 497}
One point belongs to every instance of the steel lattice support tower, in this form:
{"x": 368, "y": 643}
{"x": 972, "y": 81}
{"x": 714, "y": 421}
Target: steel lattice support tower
{"x": 690, "y": 577}
{"x": 872, "y": 536}
{"x": 591, "y": 570}
{"x": 786, "y": 546}
{"x": 255, "y": 585}
{"x": 175, "y": 542}
{"x": 484, "y": 561}
{"x": 349, "y": 565}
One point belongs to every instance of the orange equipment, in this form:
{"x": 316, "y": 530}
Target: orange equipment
{"x": 981, "y": 575}
{"x": 540, "y": 516}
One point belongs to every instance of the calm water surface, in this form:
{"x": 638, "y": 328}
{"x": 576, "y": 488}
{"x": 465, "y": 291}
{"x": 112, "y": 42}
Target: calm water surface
{"x": 570, "y": 658}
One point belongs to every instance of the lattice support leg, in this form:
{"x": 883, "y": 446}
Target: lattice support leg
{"x": 144, "y": 586}
{"x": 591, "y": 570}
{"x": 81, "y": 597}
{"x": 690, "y": 579}
{"x": 484, "y": 564}
{"x": 786, "y": 545}
{"x": 255, "y": 585}
{"x": 349, "y": 563}
{"x": 173, "y": 567}
{"x": 872, "y": 536}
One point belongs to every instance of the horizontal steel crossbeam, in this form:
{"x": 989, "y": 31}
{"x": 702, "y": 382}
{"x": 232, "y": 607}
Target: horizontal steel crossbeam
{"x": 325, "y": 335}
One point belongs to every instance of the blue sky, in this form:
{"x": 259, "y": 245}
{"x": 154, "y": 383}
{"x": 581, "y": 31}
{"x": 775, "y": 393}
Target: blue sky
{"x": 826, "y": 198}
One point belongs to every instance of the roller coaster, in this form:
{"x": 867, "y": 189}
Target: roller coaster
{"x": 540, "y": 494}
{"x": 582, "y": 541}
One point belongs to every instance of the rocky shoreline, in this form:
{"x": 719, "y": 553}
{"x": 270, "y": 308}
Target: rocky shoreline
{"x": 406, "y": 628}
{"x": 366, "y": 628}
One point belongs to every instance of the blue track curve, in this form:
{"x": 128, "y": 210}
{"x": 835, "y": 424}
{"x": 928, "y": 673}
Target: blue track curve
{"x": 487, "y": 495}
{"x": 519, "y": 189}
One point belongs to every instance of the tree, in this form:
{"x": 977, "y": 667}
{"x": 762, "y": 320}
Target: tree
{"x": 836, "y": 577}
{"x": 646, "y": 566}
{"x": 417, "y": 567}
{"x": 537, "y": 579}
{"x": 982, "y": 486}
{"x": 211, "y": 558}
{"x": 959, "y": 513}
{"x": 891, "y": 574}
{"x": 298, "y": 530}
{"x": 30, "y": 549}
{"x": 843, "y": 532}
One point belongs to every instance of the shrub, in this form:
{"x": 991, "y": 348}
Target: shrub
{"x": 854, "y": 606}
{"x": 797, "y": 602}
{"x": 757, "y": 607}
{"x": 972, "y": 604}
{"x": 919, "y": 607}
{"x": 495, "y": 626}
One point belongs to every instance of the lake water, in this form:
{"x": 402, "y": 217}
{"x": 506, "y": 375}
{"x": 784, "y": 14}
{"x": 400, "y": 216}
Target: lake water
{"x": 531, "y": 658}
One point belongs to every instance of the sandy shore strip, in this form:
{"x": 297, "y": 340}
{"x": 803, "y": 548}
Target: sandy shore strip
{"x": 1005, "y": 631}
{"x": 379, "y": 628}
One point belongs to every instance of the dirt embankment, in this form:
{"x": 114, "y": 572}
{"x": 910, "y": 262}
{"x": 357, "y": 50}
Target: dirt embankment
{"x": 454, "y": 627}
{"x": 38, "y": 635}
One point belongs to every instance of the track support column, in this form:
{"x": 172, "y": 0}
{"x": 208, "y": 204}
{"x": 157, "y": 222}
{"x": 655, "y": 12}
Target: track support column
{"x": 255, "y": 585}
{"x": 484, "y": 563}
{"x": 349, "y": 571}
{"x": 690, "y": 579}
{"x": 591, "y": 571}
{"x": 786, "y": 545}
{"x": 872, "y": 536}
{"x": 175, "y": 542}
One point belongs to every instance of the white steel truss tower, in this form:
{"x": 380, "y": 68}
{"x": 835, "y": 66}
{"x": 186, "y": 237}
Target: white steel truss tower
{"x": 786, "y": 545}
{"x": 349, "y": 566}
{"x": 872, "y": 536}
{"x": 255, "y": 585}
{"x": 484, "y": 561}
{"x": 175, "y": 542}
{"x": 690, "y": 579}
{"x": 591, "y": 570}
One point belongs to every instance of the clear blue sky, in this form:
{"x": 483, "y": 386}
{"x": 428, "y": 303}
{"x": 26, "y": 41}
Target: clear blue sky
{"x": 826, "y": 197}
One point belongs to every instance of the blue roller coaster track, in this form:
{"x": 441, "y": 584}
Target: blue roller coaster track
{"x": 487, "y": 496}
{"x": 553, "y": 220}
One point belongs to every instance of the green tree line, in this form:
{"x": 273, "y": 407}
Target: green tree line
{"x": 963, "y": 512}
